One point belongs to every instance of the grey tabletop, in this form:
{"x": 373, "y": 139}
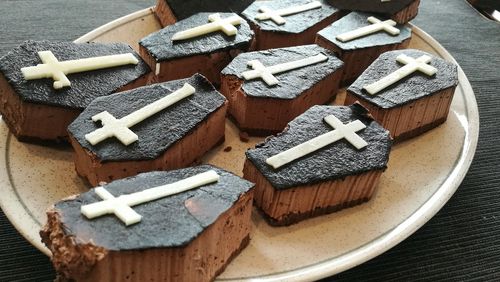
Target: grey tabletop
{"x": 462, "y": 242}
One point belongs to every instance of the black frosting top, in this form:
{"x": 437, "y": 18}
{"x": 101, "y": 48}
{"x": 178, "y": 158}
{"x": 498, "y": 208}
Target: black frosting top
{"x": 356, "y": 20}
{"x": 295, "y": 23}
{"x": 411, "y": 88}
{"x": 160, "y": 45}
{"x": 375, "y": 6}
{"x": 291, "y": 83}
{"x": 172, "y": 221}
{"x": 156, "y": 133}
{"x": 185, "y": 8}
{"x": 332, "y": 162}
{"x": 85, "y": 86}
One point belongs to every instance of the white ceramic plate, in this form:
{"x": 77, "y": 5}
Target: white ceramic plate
{"x": 423, "y": 173}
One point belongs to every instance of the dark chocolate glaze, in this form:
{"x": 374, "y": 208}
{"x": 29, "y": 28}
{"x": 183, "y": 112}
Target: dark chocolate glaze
{"x": 185, "y": 8}
{"x": 158, "y": 132}
{"x": 161, "y": 47}
{"x": 85, "y": 86}
{"x": 374, "y": 6}
{"x": 332, "y": 162}
{"x": 296, "y": 23}
{"x": 356, "y": 20}
{"x": 292, "y": 83}
{"x": 411, "y": 88}
{"x": 172, "y": 221}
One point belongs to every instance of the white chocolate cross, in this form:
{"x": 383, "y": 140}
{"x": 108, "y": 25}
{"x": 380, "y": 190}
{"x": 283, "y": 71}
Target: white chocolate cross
{"x": 52, "y": 68}
{"x": 227, "y": 26}
{"x": 277, "y": 16}
{"x": 411, "y": 66}
{"x": 119, "y": 128}
{"x": 267, "y": 73}
{"x": 341, "y": 131}
{"x": 121, "y": 206}
{"x": 376, "y": 26}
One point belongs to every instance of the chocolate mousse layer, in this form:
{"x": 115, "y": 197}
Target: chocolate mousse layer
{"x": 260, "y": 108}
{"x": 413, "y": 105}
{"x": 359, "y": 53}
{"x": 329, "y": 179}
{"x": 298, "y": 29}
{"x": 168, "y": 139}
{"x": 34, "y": 110}
{"x": 206, "y": 54}
{"x": 190, "y": 236}
{"x": 402, "y": 11}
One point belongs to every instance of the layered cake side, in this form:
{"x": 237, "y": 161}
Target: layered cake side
{"x": 157, "y": 127}
{"x": 401, "y": 11}
{"x": 137, "y": 229}
{"x": 408, "y": 91}
{"x": 45, "y": 85}
{"x": 359, "y": 38}
{"x": 170, "y": 11}
{"x": 203, "y": 43}
{"x": 327, "y": 159}
{"x": 267, "y": 89}
{"x": 285, "y": 23}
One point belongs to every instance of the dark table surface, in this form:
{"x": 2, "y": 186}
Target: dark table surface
{"x": 462, "y": 242}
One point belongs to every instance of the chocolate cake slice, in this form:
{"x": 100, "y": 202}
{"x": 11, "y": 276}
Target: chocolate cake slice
{"x": 327, "y": 159}
{"x": 167, "y": 137}
{"x": 359, "y": 38}
{"x": 401, "y": 11}
{"x": 261, "y": 107}
{"x": 188, "y": 236}
{"x": 416, "y": 103}
{"x": 170, "y": 11}
{"x": 285, "y": 23}
{"x": 175, "y": 52}
{"x": 35, "y": 110}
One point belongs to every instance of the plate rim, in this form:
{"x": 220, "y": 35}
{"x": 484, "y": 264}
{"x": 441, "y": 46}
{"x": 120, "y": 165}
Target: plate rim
{"x": 385, "y": 241}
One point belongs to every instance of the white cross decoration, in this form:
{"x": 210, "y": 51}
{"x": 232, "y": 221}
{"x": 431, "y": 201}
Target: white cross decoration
{"x": 119, "y": 128}
{"x": 52, "y": 68}
{"x": 277, "y": 16}
{"x": 341, "y": 131}
{"x": 411, "y": 66}
{"x": 121, "y": 206}
{"x": 376, "y": 26}
{"x": 267, "y": 73}
{"x": 227, "y": 26}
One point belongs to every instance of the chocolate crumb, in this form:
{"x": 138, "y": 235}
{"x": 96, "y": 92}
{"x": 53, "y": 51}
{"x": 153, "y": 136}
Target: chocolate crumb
{"x": 228, "y": 149}
{"x": 244, "y": 137}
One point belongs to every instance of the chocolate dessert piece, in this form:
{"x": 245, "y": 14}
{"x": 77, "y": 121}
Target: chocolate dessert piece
{"x": 35, "y": 110}
{"x": 171, "y": 55}
{"x": 275, "y": 26}
{"x": 261, "y": 108}
{"x": 359, "y": 38}
{"x": 170, "y": 11}
{"x": 170, "y": 137}
{"x": 327, "y": 159}
{"x": 418, "y": 102}
{"x": 401, "y": 11}
{"x": 189, "y": 236}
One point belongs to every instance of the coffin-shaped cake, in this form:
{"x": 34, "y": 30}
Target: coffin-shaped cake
{"x": 327, "y": 159}
{"x": 170, "y": 11}
{"x": 157, "y": 127}
{"x": 182, "y": 225}
{"x": 407, "y": 91}
{"x": 284, "y": 23}
{"x": 45, "y": 85}
{"x": 203, "y": 43}
{"x": 401, "y": 11}
{"x": 359, "y": 38}
{"x": 267, "y": 89}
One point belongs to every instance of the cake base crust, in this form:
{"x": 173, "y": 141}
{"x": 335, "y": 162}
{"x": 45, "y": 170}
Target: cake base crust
{"x": 288, "y": 206}
{"x": 208, "y": 134}
{"x": 164, "y": 14}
